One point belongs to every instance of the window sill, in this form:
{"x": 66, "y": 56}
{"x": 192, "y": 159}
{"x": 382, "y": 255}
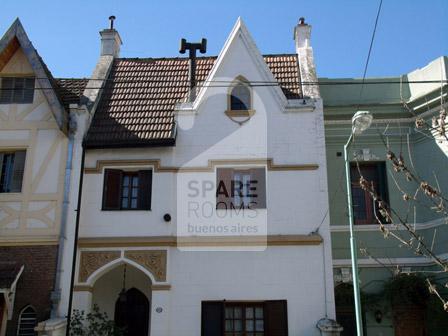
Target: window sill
{"x": 10, "y": 196}
{"x": 239, "y": 113}
{"x": 11, "y": 103}
{"x": 126, "y": 210}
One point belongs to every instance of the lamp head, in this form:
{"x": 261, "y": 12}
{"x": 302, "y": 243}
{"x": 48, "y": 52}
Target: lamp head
{"x": 361, "y": 121}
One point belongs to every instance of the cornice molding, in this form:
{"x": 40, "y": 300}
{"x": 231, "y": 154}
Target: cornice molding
{"x": 374, "y": 227}
{"x": 172, "y": 241}
{"x": 158, "y": 168}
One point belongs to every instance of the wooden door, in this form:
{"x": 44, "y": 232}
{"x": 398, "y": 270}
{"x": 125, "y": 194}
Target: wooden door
{"x": 132, "y": 313}
{"x": 409, "y": 321}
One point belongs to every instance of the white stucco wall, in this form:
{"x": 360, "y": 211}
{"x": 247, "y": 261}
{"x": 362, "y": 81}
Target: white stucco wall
{"x": 296, "y": 204}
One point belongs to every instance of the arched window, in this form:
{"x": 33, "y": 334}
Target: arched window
{"x": 27, "y": 322}
{"x": 240, "y": 98}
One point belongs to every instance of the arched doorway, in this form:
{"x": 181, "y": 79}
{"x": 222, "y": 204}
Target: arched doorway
{"x": 132, "y": 312}
{"x": 124, "y": 294}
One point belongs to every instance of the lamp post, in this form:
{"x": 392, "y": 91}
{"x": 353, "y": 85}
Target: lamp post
{"x": 360, "y": 122}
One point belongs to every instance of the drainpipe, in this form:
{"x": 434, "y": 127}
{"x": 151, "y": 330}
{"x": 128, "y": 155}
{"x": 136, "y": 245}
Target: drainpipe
{"x": 75, "y": 242}
{"x": 56, "y": 294}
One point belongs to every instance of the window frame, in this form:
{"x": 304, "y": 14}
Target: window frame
{"x": 131, "y": 175}
{"x": 128, "y": 172}
{"x": 244, "y": 305}
{"x": 275, "y": 317}
{"x": 381, "y": 186}
{"x": 19, "y": 320}
{"x": 230, "y": 202}
{"x": 248, "y": 112}
{"x": 12, "y": 152}
{"x": 10, "y": 96}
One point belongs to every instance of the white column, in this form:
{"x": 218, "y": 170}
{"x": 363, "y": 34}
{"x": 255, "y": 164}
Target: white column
{"x": 82, "y": 300}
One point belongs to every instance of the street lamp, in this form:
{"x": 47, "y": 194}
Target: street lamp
{"x": 360, "y": 122}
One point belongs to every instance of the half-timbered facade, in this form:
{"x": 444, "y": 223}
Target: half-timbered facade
{"x": 34, "y": 148}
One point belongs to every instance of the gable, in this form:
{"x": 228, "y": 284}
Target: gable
{"x": 241, "y": 57}
{"x": 7, "y": 53}
{"x": 17, "y": 65}
{"x": 16, "y": 39}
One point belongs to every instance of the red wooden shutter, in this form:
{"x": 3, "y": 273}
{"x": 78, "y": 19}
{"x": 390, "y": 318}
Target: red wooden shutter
{"x": 144, "y": 189}
{"x": 212, "y": 318}
{"x": 258, "y": 180}
{"x": 112, "y": 189}
{"x": 224, "y": 188}
{"x": 276, "y": 318}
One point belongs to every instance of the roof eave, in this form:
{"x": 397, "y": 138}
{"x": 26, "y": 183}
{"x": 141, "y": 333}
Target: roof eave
{"x": 129, "y": 143}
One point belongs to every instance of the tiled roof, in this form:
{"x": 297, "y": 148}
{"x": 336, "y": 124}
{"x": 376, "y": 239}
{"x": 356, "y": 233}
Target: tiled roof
{"x": 70, "y": 90}
{"x": 137, "y": 104}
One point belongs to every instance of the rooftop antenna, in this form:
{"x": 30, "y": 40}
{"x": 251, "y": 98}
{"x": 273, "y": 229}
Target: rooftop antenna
{"x": 192, "y": 48}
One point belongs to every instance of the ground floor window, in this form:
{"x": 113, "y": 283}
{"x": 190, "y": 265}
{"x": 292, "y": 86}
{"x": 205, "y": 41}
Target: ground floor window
{"x": 230, "y": 318}
{"x": 27, "y": 322}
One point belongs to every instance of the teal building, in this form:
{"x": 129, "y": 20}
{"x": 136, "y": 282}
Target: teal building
{"x": 393, "y": 274}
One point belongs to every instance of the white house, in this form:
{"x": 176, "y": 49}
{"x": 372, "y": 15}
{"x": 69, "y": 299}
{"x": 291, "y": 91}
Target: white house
{"x": 203, "y": 208}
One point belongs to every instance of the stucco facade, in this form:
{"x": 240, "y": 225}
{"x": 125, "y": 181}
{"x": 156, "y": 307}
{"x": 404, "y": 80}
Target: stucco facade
{"x": 386, "y": 101}
{"x": 289, "y": 258}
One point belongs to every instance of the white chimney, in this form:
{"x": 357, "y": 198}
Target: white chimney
{"x": 302, "y": 34}
{"x": 308, "y": 76}
{"x": 110, "y": 40}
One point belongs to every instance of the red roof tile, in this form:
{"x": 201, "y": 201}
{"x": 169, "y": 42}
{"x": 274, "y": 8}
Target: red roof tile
{"x": 70, "y": 90}
{"x": 137, "y": 104}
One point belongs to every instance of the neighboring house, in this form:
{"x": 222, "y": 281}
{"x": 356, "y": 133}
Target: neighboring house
{"x": 34, "y": 148}
{"x": 386, "y": 101}
{"x": 204, "y": 210}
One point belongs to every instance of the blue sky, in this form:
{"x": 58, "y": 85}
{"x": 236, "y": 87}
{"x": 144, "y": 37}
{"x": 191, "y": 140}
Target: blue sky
{"x": 410, "y": 33}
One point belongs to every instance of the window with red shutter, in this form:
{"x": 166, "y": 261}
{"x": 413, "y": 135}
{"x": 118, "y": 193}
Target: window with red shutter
{"x": 127, "y": 190}
{"x": 365, "y": 210}
{"x": 240, "y": 188}
{"x": 264, "y": 318}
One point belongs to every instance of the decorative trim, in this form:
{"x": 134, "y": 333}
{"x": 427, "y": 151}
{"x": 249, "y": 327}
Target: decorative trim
{"x": 90, "y": 261}
{"x": 249, "y": 241}
{"x": 239, "y": 113}
{"x": 28, "y": 241}
{"x": 271, "y": 240}
{"x": 392, "y": 262}
{"x": 158, "y": 168}
{"x": 389, "y": 120}
{"x": 81, "y": 288}
{"x": 160, "y": 287}
{"x": 153, "y": 260}
{"x": 374, "y": 227}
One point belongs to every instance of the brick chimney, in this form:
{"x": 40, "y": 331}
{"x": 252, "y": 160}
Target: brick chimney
{"x": 110, "y": 40}
{"x": 308, "y": 76}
